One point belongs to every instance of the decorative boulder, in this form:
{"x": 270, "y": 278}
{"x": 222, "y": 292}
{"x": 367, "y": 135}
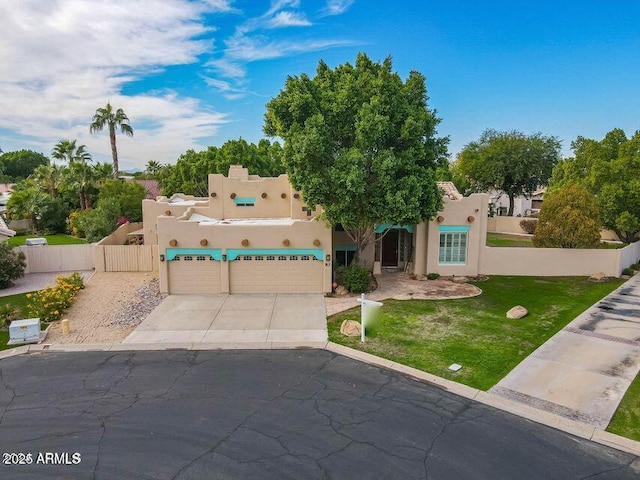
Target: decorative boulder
{"x": 517, "y": 312}
{"x": 341, "y": 290}
{"x": 598, "y": 277}
{"x": 350, "y": 328}
{"x": 402, "y": 296}
{"x": 460, "y": 279}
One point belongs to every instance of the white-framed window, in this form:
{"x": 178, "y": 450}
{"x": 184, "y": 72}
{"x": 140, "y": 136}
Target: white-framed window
{"x": 453, "y": 247}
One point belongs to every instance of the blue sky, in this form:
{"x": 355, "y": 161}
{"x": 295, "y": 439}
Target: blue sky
{"x": 196, "y": 73}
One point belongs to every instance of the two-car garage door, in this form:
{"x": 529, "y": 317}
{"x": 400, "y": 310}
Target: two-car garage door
{"x": 197, "y": 275}
{"x": 275, "y": 274}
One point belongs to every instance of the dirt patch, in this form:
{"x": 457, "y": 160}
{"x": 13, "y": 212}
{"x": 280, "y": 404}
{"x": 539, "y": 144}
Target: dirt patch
{"x": 105, "y": 297}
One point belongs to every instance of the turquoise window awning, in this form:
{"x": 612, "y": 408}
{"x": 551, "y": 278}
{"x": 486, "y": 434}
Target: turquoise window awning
{"x": 317, "y": 253}
{"x": 382, "y": 227}
{"x": 245, "y": 201}
{"x": 454, "y": 228}
{"x": 214, "y": 253}
{"x": 347, "y": 248}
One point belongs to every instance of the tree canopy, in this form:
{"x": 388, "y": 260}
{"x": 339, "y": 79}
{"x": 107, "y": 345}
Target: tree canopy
{"x": 569, "y": 219}
{"x": 360, "y": 142}
{"x": 509, "y": 162}
{"x": 190, "y": 173}
{"x": 20, "y": 164}
{"x": 608, "y": 169}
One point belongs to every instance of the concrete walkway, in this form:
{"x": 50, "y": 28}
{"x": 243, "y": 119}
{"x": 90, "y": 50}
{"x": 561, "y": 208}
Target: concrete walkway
{"x": 228, "y": 320}
{"x": 37, "y": 281}
{"x": 402, "y": 287}
{"x": 584, "y": 370}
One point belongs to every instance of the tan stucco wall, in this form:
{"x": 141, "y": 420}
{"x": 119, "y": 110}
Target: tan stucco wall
{"x": 119, "y": 236}
{"x": 456, "y": 213}
{"x": 301, "y": 235}
{"x": 152, "y": 209}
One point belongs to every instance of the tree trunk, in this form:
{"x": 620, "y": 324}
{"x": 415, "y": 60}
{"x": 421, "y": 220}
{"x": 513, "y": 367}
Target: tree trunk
{"x": 511, "y": 204}
{"x": 82, "y": 204}
{"x": 114, "y": 151}
{"x": 362, "y": 238}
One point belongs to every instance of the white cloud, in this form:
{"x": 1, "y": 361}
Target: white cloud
{"x": 60, "y": 60}
{"x": 288, "y": 19}
{"x": 337, "y": 7}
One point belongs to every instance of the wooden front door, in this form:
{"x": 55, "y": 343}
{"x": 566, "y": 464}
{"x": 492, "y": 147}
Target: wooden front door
{"x": 390, "y": 249}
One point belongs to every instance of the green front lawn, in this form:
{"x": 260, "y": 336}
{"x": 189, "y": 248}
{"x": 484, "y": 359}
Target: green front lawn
{"x": 59, "y": 239}
{"x": 506, "y": 240}
{"x": 474, "y": 332}
{"x": 626, "y": 421}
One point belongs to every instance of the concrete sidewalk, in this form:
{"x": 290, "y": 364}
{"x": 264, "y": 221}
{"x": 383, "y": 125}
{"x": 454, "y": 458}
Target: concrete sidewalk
{"x": 37, "y": 281}
{"x": 584, "y": 370}
{"x": 235, "y": 319}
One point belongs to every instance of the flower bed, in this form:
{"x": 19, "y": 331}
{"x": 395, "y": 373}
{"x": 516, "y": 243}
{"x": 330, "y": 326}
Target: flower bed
{"x": 50, "y": 303}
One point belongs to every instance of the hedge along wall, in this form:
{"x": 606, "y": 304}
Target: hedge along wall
{"x": 556, "y": 262}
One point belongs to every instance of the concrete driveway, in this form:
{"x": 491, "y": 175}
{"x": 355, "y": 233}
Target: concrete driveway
{"x": 584, "y": 370}
{"x": 257, "y": 320}
{"x": 287, "y": 414}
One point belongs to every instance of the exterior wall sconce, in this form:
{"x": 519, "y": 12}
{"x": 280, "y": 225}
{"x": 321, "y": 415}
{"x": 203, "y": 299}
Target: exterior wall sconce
{"x": 167, "y": 212}
{"x": 470, "y": 219}
{"x": 264, "y": 195}
{"x": 173, "y": 242}
{"x": 204, "y": 242}
{"x": 440, "y": 219}
{"x": 233, "y": 195}
{"x": 316, "y": 242}
{"x": 245, "y": 243}
{"x": 328, "y": 258}
{"x": 296, "y": 195}
{"x": 214, "y": 194}
{"x": 286, "y": 242}
{"x": 283, "y": 195}
{"x": 224, "y": 258}
{"x": 162, "y": 258}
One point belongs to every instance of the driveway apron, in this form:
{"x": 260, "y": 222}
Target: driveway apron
{"x": 584, "y": 370}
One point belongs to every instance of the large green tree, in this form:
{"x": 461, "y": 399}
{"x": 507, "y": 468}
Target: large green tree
{"x": 609, "y": 169}
{"x": 128, "y": 194}
{"x": 569, "y": 219}
{"x": 20, "y": 164}
{"x": 509, "y": 162}
{"x": 111, "y": 119}
{"x": 360, "y": 142}
{"x": 69, "y": 151}
{"x": 190, "y": 173}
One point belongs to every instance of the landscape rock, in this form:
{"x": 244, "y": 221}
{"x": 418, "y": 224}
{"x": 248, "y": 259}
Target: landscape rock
{"x": 133, "y": 313}
{"x": 402, "y": 296}
{"x": 341, "y": 290}
{"x": 350, "y": 328}
{"x": 517, "y": 312}
{"x": 598, "y": 277}
{"x": 460, "y": 279}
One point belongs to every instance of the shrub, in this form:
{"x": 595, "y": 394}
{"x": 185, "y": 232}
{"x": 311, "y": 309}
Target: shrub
{"x": 7, "y": 314}
{"x": 356, "y": 278}
{"x": 50, "y": 303}
{"x": 569, "y": 219}
{"x": 12, "y": 265}
{"x": 628, "y": 271}
{"x": 529, "y": 225}
{"x": 433, "y": 276}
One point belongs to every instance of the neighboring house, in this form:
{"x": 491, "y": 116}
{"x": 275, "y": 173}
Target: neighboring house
{"x": 256, "y": 235}
{"x": 5, "y": 195}
{"x": 151, "y": 187}
{"x": 5, "y": 231}
{"x": 522, "y": 205}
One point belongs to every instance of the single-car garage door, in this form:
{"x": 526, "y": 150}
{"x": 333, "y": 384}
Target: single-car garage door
{"x": 275, "y": 274}
{"x": 194, "y": 274}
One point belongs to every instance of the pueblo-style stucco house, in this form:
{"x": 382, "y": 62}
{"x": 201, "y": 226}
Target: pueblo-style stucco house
{"x": 256, "y": 235}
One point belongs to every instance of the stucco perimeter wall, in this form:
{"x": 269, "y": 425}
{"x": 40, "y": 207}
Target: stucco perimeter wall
{"x": 301, "y": 235}
{"x": 512, "y": 225}
{"x": 629, "y": 255}
{"x": 456, "y": 213}
{"x": 552, "y": 262}
{"x": 152, "y": 209}
{"x": 119, "y": 237}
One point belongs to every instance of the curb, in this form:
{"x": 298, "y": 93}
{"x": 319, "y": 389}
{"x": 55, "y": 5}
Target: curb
{"x": 557, "y": 422}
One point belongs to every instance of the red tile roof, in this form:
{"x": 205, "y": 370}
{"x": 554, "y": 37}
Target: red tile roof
{"x": 152, "y": 187}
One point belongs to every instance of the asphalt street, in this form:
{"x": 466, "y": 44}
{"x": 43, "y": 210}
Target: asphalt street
{"x": 291, "y": 414}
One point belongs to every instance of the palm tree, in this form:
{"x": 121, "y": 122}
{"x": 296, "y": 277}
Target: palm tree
{"x": 81, "y": 177}
{"x": 49, "y": 178}
{"x": 28, "y": 204}
{"x": 153, "y": 167}
{"x": 106, "y": 117}
{"x": 67, "y": 150}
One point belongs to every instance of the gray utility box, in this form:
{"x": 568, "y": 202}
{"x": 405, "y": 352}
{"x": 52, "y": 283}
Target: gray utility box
{"x": 36, "y": 242}
{"x": 24, "y": 331}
